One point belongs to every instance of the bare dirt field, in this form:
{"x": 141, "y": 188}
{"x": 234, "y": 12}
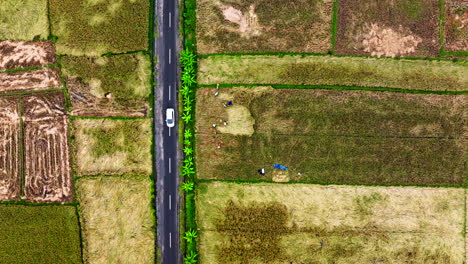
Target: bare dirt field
{"x": 9, "y": 149}
{"x": 456, "y": 25}
{"x": 296, "y": 223}
{"x": 263, "y": 26}
{"x": 22, "y": 54}
{"x": 47, "y": 170}
{"x": 388, "y": 28}
{"x": 41, "y": 79}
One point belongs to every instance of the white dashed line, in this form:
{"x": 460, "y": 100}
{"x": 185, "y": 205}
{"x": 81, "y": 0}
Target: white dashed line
{"x": 169, "y": 56}
{"x": 170, "y": 16}
{"x": 170, "y": 161}
{"x": 170, "y": 240}
{"x": 170, "y": 202}
{"x": 169, "y": 92}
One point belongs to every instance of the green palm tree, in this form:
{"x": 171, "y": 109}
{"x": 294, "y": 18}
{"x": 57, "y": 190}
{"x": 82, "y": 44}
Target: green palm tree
{"x": 187, "y": 108}
{"x": 189, "y": 171}
{"x": 185, "y": 89}
{"x": 187, "y": 142}
{"x": 188, "y": 160}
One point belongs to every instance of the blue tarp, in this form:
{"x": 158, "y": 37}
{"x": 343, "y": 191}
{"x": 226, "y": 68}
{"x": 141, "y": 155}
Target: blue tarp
{"x": 280, "y": 167}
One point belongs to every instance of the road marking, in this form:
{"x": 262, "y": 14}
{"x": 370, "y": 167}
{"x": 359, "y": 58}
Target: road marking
{"x": 170, "y": 202}
{"x": 170, "y": 169}
{"x": 170, "y": 240}
{"x": 169, "y": 56}
{"x": 170, "y": 15}
{"x": 169, "y": 92}
{"x": 169, "y": 131}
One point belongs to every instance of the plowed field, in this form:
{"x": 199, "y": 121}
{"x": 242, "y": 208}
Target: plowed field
{"x": 30, "y": 80}
{"x": 22, "y": 54}
{"x": 9, "y": 148}
{"x": 47, "y": 168}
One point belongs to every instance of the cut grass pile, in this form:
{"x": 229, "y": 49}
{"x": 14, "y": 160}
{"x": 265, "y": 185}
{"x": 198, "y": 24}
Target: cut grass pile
{"x": 456, "y": 25}
{"x": 278, "y": 223}
{"x": 23, "y": 19}
{"x": 104, "y": 146}
{"x": 96, "y": 27}
{"x": 116, "y": 85}
{"x": 263, "y": 26}
{"x": 39, "y": 234}
{"x": 327, "y": 70}
{"x": 116, "y": 220}
{"x": 327, "y": 136}
{"x": 388, "y": 28}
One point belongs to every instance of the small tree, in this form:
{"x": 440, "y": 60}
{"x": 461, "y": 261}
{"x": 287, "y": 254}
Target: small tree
{"x": 187, "y": 133}
{"x": 187, "y": 117}
{"x": 188, "y": 151}
{"x": 191, "y": 258}
{"x": 190, "y": 235}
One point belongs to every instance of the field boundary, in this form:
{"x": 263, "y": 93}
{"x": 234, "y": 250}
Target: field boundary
{"x": 238, "y": 181}
{"x": 53, "y": 65}
{"x": 305, "y": 54}
{"x": 333, "y": 87}
{"x": 334, "y": 26}
{"x": 74, "y": 117}
{"x": 441, "y": 27}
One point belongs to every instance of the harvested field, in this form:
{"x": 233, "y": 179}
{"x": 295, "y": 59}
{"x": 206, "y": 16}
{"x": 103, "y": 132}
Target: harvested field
{"x": 327, "y": 70}
{"x": 41, "y": 79}
{"x": 295, "y": 223}
{"x": 388, "y": 28}
{"x": 333, "y": 159}
{"x": 263, "y": 26}
{"x": 104, "y": 146}
{"x": 456, "y": 25}
{"x": 108, "y": 86}
{"x": 23, "y": 54}
{"x": 266, "y": 110}
{"x": 9, "y": 149}
{"x": 23, "y": 19}
{"x": 116, "y": 219}
{"x": 93, "y": 28}
{"x": 47, "y": 170}
{"x": 39, "y": 234}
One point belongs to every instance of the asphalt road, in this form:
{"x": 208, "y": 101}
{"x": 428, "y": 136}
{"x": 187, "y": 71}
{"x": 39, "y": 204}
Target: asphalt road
{"x": 166, "y": 144}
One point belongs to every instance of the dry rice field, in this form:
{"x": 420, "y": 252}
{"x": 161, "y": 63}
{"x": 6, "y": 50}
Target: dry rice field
{"x": 456, "y": 25}
{"x": 35, "y": 80}
{"x": 296, "y": 223}
{"x": 9, "y": 149}
{"x": 47, "y": 169}
{"x": 23, "y": 54}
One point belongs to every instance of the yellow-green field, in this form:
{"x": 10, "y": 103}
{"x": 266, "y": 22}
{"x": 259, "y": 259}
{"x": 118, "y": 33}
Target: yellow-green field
{"x": 284, "y": 223}
{"x": 116, "y": 219}
{"x": 23, "y": 19}
{"x": 105, "y": 146}
{"x": 328, "y": 70}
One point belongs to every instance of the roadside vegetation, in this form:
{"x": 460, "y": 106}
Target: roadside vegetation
{"x": 93, "y": 28}
{"x": 23, "y": 20}
{"x": 106, "y": 146}
{"x": 264, "y": 26}
{"x": 39, "y": 234}
{"x": 117, "y": 220}
{"x": 327, "y": 70}
{"x": 108, "y": 86}
{"x": 241, "y": 223}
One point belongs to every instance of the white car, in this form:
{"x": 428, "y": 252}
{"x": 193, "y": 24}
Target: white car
{"x": 170, "y": 119}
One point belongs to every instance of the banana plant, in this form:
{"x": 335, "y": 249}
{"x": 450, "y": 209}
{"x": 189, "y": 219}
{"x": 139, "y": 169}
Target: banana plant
{"x": 188, "y": 151}
{"x": 187, "y": 142}
{"x": 191, "y": 258}
{"x": 186, "y": 117}
{"x": 188, "y": 108}
{"x": 187, "y": 100}
{"x": 190, "y": 235}
{"x": 185, "y": 90}
{"x": 187, "y": 186}
{"x": 187, "y": 133}
{"x": 188, "y": 160}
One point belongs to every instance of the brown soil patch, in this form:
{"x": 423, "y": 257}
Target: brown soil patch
{"x": 384, "y": 41}
{"x": 388, "y": 28}
{"x": 86, "y": 103}
{"x": 9, "y": 149}
{"x": 263, "y": 26}
{"x": 22, "y": 54}
{"x": 47, "y": 172}
{"x": 41, "y": 79}
{"x": 456, "y": 25}
{"x": 247, "y": 21}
